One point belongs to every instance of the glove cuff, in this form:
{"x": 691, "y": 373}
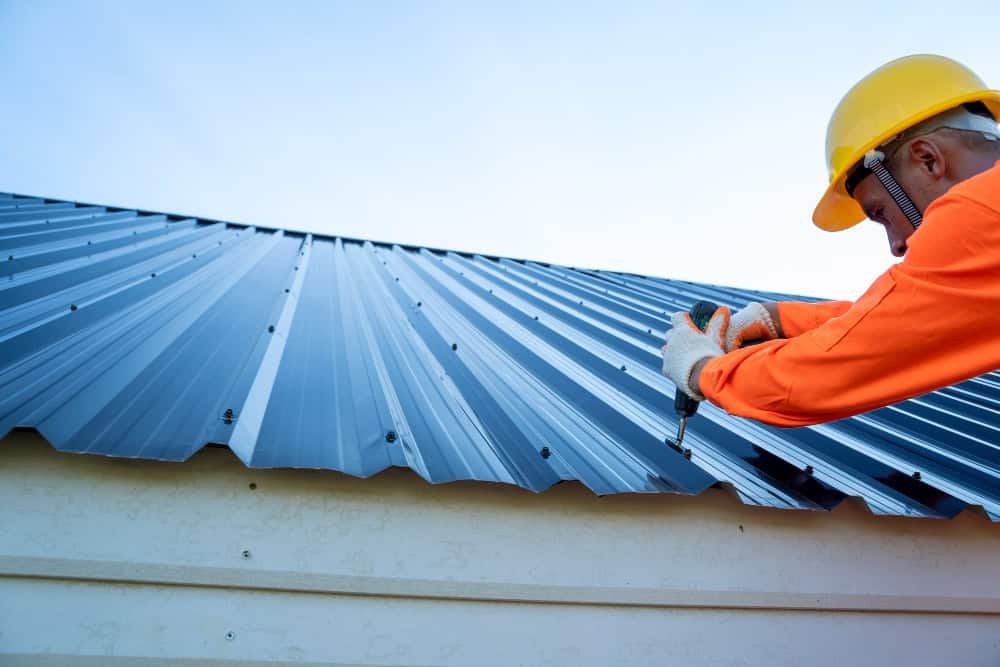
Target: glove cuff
{"x": 687, "y": 388}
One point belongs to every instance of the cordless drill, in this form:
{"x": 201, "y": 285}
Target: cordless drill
{"x": 684, "y": 405}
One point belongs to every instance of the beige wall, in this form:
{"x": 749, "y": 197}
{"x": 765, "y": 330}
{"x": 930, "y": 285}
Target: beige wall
{"x": 120, "y": 560}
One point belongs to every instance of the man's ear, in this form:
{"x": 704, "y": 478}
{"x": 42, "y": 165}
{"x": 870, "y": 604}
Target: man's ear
{"x": 925, "y": 153}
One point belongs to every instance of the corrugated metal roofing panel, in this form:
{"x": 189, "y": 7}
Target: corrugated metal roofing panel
{"x": 142, "y": 334}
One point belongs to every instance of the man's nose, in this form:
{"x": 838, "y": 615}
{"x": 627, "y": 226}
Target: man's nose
{"x": 898, "y": 247}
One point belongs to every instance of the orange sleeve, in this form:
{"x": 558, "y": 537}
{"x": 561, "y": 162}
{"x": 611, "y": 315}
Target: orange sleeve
{"x": 798, "y": 317}
{"x": 928, "y": 322}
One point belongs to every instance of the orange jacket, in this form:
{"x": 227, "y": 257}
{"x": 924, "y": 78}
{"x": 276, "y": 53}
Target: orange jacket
{"x": 928, "y": 322}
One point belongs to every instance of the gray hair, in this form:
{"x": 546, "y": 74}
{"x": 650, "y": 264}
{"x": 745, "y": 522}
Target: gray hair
{"x": 974, "y": 127}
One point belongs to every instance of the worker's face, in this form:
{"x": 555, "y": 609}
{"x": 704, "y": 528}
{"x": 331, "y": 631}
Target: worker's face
{"x": 921, "y": 169}
{"x": 882, "y": 209}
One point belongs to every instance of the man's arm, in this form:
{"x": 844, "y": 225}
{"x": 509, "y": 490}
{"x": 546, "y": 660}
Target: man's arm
{"x": 770, "y": 320}
{"x": 924, "y": 324}
{"x": 795, "y": 318}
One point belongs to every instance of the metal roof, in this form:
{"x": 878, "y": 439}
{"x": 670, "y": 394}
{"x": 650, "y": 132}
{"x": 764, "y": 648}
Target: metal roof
{"x": 137, "y": 334}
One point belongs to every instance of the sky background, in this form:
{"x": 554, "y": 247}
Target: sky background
{"x": 679, "y": 140}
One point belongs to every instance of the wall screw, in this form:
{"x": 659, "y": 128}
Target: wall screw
{"x": 270, "y": 329}
{"x": 390, "y": 436}
{"x": 230, "y": 636}
{"x": 253, "y": 486}
{"x": 546, "y": 453}
{"x": 227, "y": 416}
{"x": 246, "y": 554}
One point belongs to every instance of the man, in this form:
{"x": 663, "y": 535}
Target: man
{"x": 914, "y": 146}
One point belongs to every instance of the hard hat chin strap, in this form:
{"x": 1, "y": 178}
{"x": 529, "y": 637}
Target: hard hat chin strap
{"x": 873, "y": 162}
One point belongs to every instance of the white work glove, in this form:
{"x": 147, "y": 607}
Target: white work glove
{"x": 753, "y": 322}
{"x": 687, "y": 345}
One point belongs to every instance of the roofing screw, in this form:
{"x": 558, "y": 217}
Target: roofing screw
{"x": 683, "y": 451}
{"x": 419, "y": 303}
{"x": 536, "y": 318}
{"x": 623, "y": 368}
{"x": 454, "y": 346}
{"x": 390, "y": 436}
{"x": 397, "y": 280}
{"x": 916, "y": 475}
{"x": 808, "y": 470}
{"x": 296, "y": 268}
{"x": 286, "y": 290}
{"x": 10, "y": 258}
{"x": 230, "y": 636}
{"x": 89, "y": 243}
{"x": 545, "y": 452}
{"x": 270, "y": 329}
{"x": 72, "y": 306}
{"x": 253, "y": 486}
{"x": 246, "y": 554}
{"x": 152, "y": 275}
{"x": 227, "y": 416}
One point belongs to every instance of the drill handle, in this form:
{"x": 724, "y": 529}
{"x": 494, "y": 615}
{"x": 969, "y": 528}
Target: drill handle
{"x": 700, "y": 313}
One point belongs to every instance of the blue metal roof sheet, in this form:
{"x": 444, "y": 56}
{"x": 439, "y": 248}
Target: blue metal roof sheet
{"x": 141, "y": 334}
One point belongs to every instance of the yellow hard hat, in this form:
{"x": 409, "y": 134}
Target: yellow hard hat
{"x": 894, "y": 97}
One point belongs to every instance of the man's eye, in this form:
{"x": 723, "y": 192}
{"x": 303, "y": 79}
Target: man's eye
{"x": 878, "y": 215}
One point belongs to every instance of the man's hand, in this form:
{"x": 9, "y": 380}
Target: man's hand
{"x": 687, "y": 345}
{"x": 754, "y": 322}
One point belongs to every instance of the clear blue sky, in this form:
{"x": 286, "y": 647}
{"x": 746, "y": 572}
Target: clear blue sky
{"x": 677, "y": 140}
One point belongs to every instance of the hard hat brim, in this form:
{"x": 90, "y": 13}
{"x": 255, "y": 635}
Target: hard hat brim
{"x": 837, "y": 210}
